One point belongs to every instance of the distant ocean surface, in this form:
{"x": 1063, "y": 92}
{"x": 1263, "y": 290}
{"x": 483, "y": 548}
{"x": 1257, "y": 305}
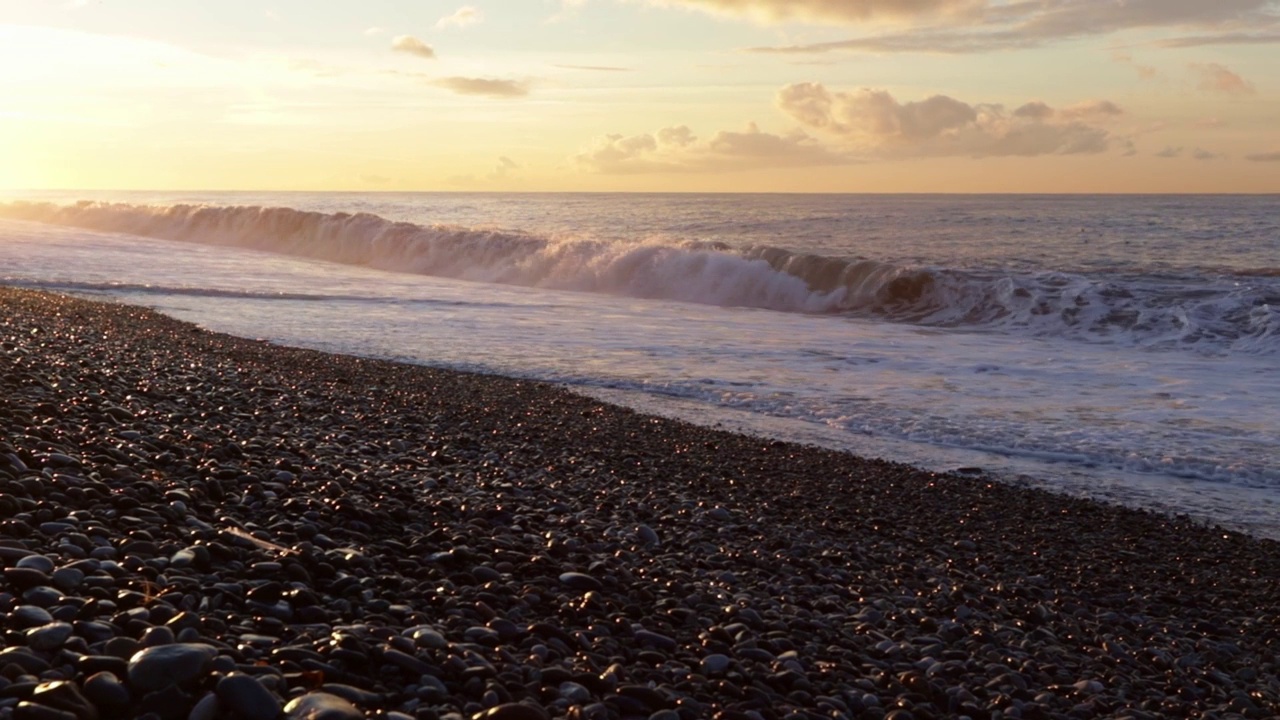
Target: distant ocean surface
{"x": 1126, "y": 348}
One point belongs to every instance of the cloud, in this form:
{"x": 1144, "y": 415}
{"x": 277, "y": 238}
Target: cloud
{"x": 1234, "y": 38}
{"x": 677, "y": 149}
{"x": 1091, "y": 109}
{"x": 1273, "y": 156}
{"x": 1202, "y": 154}
{"x": 484, "y": 86}
{"x": 462, "y": 17}
{"x": 1027, "y": 23}
{"x": 504, "y": 168}
{"x": 596, "y": 68}
{"x": 1170, "y": 152}
{"x": 877, "y": 124}
{"x": 1145, "y": 72}
{"x": 371, "y": 31}
{"x": 1215, "y": 78}
{"x": 825, "y": 11}
{"x": 413, "y": 46}
{"x": 1211, "y": 123}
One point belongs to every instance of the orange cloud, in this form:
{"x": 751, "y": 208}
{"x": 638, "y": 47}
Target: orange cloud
{"x": 1215, "y": 78}
{"x": 820, "y": 11}
{"x": 960, "y": 27}
{"x": 412, "y": 46}
{"x": 677, "y": 149}
{"x": 484, "y": 86}
{"x": 876, "y": 123}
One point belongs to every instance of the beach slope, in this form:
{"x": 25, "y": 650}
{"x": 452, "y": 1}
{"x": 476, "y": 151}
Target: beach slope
{"x": 196, "y": 525}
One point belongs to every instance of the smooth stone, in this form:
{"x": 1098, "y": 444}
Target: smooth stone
{"x": 122, "y": 647}
{"x": 166, "y": 704}
{"x": 657, "y": 640}
{"x": 183, "y": 558}
{"x": 247, "y": 697}
{"x": 647, "y": 535}
{"x": 64, "y": 695}
{"x": 715, "y": 664}
{"x": 35, "y": 711}
{"x": 321, "y": 706}
{"x": 158, "y": 667}
{"x": 24, "y": 659}
{"x": 206, "y": 708}
{"x": 429, "y": 638}
{"x": 30, "y": 616}
{"x": 352, "y": 694}
{"x": 580, "y": 581}
{"x": 22, "y": 578}
{"x": 107, "y": 693}
{"x": 67, "y": 579}
{"x": 156, "y": 636}
{"x": 512, "y": 711}
{"x": 573, "y": 692}
{"x": 48, "y": 637}
{"x": 36, "y": 562}
{"x": 42, "y": 596}
{"x": 56, "y": 528}
{"x": 406, "y": 662}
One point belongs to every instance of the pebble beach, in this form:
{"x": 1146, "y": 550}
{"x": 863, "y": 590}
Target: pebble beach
{"x": 194, "y": 525}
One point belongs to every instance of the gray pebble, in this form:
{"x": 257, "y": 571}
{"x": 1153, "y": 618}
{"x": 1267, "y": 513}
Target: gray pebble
{"x": 247, "y": 698}
{"x": 321, "y": 706}
{"x": 158, "y": 667}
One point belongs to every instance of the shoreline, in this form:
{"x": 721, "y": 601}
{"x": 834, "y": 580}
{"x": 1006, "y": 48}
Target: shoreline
{"x": 433, "y": 542}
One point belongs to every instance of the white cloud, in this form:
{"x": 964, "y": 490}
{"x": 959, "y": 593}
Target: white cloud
{"x": 988, "y": 25}
{"x": 825, "y": 11}
{"x": 462, "y": 17}
{"x": 677, "y": 149}
{"x": 484, "y": 86}
{"x": 412, "y": 46}
{"x": 877, "y": 124}
{"x": 595, "y": 68}
{"x": 371, "y": 31}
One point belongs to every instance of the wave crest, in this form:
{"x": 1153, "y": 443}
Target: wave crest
{"x": 1238, "y": 313}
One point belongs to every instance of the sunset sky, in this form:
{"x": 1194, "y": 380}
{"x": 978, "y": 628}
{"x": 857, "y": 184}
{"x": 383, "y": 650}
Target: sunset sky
{"x": 642, "y": 95}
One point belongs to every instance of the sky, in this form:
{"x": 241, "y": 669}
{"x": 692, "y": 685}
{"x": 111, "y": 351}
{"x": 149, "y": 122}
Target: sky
{"x": 1129, "y": 96}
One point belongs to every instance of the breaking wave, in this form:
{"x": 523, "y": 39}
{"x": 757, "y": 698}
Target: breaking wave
{"x": 1212, "y": 312}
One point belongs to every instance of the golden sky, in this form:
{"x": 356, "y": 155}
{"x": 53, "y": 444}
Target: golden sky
{"x": 642, "y": 95}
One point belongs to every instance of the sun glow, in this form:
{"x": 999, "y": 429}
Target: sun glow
{"x": 131, "y": 94}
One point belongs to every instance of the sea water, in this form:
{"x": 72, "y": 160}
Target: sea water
{"x": 1119, "y": 347}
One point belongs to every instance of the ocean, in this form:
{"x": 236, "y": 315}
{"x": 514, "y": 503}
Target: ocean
{"x": 1125, "y": 348}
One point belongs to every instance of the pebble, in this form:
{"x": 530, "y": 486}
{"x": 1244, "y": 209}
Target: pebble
{"x": 580, "y": 581}
{"x": 65, "y": 696}
{"x": 512, "y": 711}
{"x": 49, "y": 637}
{"x": 715, "y": 664}
{"x": 321, "y": 706}
{"x": 107, "y": 693}
{"x": 158, "y": 667}
{"x": 247, "y": 698}
{"x": 373, "y": 540}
